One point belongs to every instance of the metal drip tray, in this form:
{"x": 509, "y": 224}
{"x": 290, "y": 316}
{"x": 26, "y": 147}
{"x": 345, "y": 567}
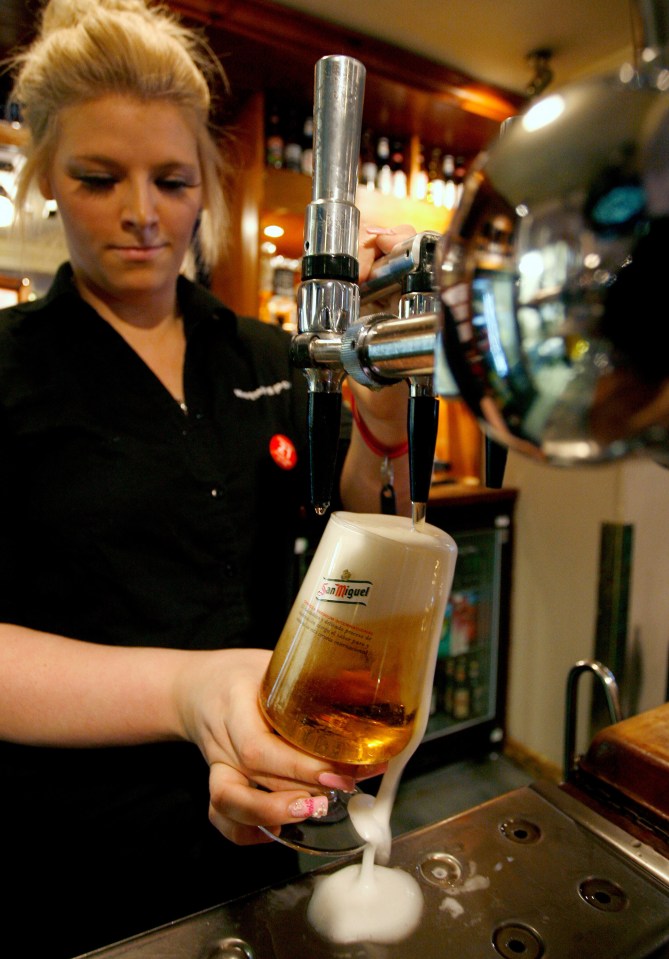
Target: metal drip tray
{"x": 533, "y": 873}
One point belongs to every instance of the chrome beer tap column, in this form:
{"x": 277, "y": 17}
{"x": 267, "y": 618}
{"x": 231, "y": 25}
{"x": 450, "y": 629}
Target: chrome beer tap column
{"x": 328, "y": 299}
{"x": 332, "y": 341}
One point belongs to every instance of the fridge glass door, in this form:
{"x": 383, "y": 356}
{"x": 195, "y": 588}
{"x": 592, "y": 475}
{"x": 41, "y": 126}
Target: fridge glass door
{"x": 465, "y": 683}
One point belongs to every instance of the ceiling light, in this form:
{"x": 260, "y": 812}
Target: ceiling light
{"x": 544, "y": 112}
{"x": 274, "y": 230}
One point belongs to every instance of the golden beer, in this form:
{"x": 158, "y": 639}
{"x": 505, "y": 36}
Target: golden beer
{"x": 343, "y": 703}
{"x": 348, "y": 675}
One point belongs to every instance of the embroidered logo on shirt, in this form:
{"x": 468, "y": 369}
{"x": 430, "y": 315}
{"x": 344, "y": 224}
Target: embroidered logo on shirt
{"x": 272, "y": 390}
{"x": 283, "y": 452}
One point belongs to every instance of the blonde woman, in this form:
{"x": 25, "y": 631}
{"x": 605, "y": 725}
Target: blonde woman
{"x": 147, "y": 523}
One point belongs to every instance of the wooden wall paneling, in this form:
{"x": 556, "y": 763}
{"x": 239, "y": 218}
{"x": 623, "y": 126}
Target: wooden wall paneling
{"x": 236, "y": 278}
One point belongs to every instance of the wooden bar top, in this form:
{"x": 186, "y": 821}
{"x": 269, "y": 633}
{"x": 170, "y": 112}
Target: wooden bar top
{"x": 632, "y": 757}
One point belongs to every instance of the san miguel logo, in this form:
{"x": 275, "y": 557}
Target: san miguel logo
{"x": 344, "y": 590}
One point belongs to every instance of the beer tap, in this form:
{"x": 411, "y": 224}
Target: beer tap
{"x": 332, "y": 341}
{"x": 410, "y": 267}
{"x": 328, "y": 298}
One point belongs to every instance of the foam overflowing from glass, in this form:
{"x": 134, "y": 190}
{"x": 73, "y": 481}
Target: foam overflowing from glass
{"x": 351, "y": 675}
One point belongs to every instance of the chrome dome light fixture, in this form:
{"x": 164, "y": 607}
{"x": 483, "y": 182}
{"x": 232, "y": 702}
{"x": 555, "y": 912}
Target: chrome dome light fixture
{"x": 555, "y": 271}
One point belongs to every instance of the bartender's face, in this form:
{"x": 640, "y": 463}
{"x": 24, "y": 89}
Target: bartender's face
{"x": 127, "y": 180}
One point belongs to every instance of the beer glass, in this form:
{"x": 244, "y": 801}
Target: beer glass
{"x": 351, "y": 675}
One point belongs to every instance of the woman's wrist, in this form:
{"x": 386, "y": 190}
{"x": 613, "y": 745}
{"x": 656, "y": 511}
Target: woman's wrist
{"x": 373, "y": 441}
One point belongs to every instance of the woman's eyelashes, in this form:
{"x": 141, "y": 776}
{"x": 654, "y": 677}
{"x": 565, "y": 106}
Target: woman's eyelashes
{"x": 103, "y": 182}
{"x": 95, "y": 182}
{"x": 175, "y": 184}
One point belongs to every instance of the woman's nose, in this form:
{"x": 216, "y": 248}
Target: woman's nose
{"x": 139, "y": 208}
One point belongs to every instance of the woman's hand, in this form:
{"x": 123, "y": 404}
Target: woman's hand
{"x": 120, "y": 696}
{"x": 374, "y": 242}
{"x": 217, "y": 697}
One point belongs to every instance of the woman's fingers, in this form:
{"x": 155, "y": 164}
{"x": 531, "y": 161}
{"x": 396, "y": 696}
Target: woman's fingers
{"x": 375, "y": 241}
{"x": 218, "y": 699}
{"x": 237, "y": 807}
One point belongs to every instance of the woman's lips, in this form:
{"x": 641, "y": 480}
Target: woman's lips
{"x": 139, "y": 254}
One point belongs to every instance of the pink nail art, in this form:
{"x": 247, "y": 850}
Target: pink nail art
{"x": 313, "y": 807}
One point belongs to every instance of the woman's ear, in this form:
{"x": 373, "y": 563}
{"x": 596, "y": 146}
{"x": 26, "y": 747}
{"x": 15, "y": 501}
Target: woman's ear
{"x": 44, "y": 184}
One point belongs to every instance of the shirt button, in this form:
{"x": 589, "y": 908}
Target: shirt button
{"x": 229, "y": 570}
{"x": 215, "y": 492}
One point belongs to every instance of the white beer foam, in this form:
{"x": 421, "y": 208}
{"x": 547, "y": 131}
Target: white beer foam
{"x": 400, "y": 562}
{"x": 400, "y": 529}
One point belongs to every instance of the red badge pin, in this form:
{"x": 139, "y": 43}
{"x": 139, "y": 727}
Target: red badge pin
{"x": 283, "y": 452}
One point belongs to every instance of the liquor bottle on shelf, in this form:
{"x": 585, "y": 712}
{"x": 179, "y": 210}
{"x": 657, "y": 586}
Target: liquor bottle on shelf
{"x": 418, "y": 184}
{"x": 307, "y": 159}
{"x": 461, "y": 691}
{"x": 449, "y": 687}
{"x": 282, "y": 305}
{"x": 384, "y": 176}
{"x": 440, "y": 670}
{"x": 399, "y": 188}
{"x": 265, "y": 280}
{"x": 464, "y": 623}
{"x": 460, "y": 174}
{"x": 274, "y": 139}
{"x": 477, "y": 687}
{"x": 450, "y": 184}
{"x": 292, "y": 148}
{"x": 368, "y": 168}
{"x": 436, "y": 185}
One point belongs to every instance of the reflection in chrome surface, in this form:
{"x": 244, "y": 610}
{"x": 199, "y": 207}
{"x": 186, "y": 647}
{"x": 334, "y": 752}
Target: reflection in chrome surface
{"x": 554, "y": 274}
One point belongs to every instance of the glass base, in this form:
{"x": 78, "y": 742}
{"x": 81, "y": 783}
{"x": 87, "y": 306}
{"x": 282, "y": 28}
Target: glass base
{"x": 331, "y": 835}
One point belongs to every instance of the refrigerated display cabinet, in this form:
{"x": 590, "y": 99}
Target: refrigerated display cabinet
{"x": 468, "y": 709}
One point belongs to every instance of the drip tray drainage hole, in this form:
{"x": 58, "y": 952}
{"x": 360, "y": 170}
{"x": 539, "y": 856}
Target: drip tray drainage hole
{"x": 520, "y": 830}
{"x": 231, "y": 948}
{"x": 513, "y": 941}
{"x": 603, "y": 894}
{"x": 442, "y": 870}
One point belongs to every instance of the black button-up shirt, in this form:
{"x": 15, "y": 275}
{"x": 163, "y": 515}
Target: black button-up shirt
{"x": 126, "y": 520}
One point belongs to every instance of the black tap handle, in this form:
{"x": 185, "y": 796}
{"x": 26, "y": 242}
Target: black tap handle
{"x": 324, "y": 421}
{"x": 423, "y": 421}
{"x": 495, "y": 463}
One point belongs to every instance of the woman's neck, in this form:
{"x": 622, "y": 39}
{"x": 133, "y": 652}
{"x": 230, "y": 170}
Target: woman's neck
{"x": 153, "y": 328}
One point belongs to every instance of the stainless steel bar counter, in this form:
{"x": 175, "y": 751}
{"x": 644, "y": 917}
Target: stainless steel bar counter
{"x": 533, "y": 873}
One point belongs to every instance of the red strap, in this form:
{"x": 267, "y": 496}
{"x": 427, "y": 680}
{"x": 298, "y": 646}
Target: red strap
{"x": 387, "y": 452}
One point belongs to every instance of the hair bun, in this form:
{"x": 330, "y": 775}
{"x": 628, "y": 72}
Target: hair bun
{"x": 62, "y": 14}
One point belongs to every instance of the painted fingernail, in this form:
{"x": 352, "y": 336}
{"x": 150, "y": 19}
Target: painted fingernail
{"x": 333, "y": 781}
{"x": 312, "y": 807}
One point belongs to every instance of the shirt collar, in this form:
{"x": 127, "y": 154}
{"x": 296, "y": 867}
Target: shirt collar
{"x": 197, "y": 304}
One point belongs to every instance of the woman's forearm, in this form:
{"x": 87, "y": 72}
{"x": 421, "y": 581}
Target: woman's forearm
{"x": 56, "y": 691}
{"x": 362, "y": 480}
{"x": 384, "y": 415}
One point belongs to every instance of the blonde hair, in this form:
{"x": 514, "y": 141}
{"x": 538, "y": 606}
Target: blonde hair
{"x": 86, "y": 49}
